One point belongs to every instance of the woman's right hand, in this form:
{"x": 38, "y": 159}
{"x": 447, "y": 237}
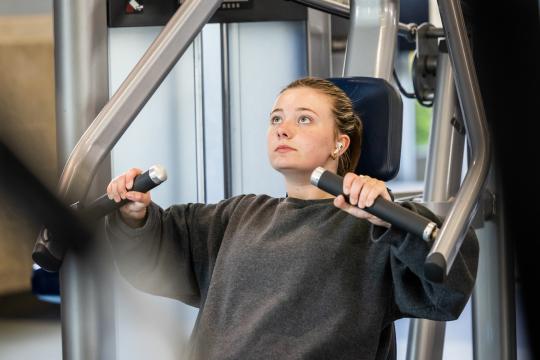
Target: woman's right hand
{"x": 134, "y": 212}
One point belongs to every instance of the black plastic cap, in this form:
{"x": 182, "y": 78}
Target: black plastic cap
{"x": 43, "y": 257}
{"x": 435, "y": 268}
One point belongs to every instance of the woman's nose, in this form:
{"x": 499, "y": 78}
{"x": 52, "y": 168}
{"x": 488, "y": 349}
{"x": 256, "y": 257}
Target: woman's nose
{"x": 284, "y": 130}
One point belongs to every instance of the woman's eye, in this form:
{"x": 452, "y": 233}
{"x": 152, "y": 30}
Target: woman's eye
{"x": 275, "y": 120}
{"x": 304, "y": 120}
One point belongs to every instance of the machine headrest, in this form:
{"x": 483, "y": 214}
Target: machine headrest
{"x": 379, "y": 106}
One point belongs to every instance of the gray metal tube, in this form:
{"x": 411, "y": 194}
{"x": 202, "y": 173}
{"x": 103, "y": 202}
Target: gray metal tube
{"x": 81, "y": 78}
{"x": 226, "y": 112}
{"x": 80, "y": 31}
{"x": 446, "y": 144}
{"x": 199, "y": 118}
{"x": 461, "y": 213}
{"x": 372, "y": 38}
{"x": 134, "y": 92}
{"x": 426, "y": 340}
{"x": 319, "y": 44}
{"x": 443, "y": 175}
{"x": 493, "y": 301}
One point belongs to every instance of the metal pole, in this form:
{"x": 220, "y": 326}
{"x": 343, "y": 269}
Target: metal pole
{"x": 319, "y": 43}
{"x": 80, "y": 32}
{"x": 451, "y": 234}
{"x": 371, "y": 44}
{"x": 226, "y": 114}
{"x": 426, "y": 339}
{"x": 443, "y": 175}
{"x": 81, "y": 77}
{"x": 199, "y": 117}
{"x": 493, "y": 302}
{"x": 446, "y": 146}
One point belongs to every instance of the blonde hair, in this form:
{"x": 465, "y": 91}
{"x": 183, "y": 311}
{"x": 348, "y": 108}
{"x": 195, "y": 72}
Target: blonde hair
{"x": 347, "y": 121}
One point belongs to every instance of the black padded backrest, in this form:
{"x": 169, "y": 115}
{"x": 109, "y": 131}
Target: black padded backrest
{"x": 380, "y": 108}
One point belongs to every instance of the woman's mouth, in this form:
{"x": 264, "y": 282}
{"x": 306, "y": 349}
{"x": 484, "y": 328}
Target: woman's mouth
{"x": 284, "y": 148}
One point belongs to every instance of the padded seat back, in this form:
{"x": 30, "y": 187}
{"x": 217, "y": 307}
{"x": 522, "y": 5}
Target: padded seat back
{"x": 380, "y": 108}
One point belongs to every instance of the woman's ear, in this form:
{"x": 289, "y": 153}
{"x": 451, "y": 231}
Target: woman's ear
{"x": 345, "y": 140}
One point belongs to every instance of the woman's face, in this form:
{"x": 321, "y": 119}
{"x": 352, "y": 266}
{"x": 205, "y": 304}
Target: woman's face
{"x": 301, "y": 133}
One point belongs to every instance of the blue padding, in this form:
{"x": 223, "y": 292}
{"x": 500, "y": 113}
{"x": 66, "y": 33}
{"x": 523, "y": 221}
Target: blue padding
{"x": 46, "y": 285}
{"x": 379, "y": 106}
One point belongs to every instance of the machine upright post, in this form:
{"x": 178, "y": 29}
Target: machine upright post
{"x": 82, "y": 88}
{"x": 443, "y": 175}
{"x": 493, "y": 300}
{"x": 319, "y": 43}
{"x": 372, "y": 39}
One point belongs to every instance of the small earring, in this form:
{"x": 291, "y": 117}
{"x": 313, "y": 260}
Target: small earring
{"x": 335, "y": 153}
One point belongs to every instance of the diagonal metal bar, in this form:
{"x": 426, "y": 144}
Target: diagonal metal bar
{"x": 129, "y": 99}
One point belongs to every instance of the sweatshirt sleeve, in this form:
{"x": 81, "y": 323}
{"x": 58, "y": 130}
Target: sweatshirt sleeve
{"x": 174, "y": 252}
{"x": 413, "y": 294}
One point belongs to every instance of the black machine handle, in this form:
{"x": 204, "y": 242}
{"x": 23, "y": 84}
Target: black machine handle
{"x": 142, "y": 183}
{"x": 49, "y": 254}
{"x": 385, "y": 210}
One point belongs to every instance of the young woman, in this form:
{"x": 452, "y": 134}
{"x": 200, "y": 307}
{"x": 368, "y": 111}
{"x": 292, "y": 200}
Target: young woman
{"x": 307, "y": 276}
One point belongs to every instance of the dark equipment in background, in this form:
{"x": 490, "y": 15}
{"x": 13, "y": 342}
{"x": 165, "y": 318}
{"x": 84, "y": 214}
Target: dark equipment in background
{"x": 158, "y": 12}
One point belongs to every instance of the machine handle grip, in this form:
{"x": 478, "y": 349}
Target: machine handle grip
{"x": 142, "y": 183}
{"x": 49, "y": 251}
{"x": 388, "y": 211}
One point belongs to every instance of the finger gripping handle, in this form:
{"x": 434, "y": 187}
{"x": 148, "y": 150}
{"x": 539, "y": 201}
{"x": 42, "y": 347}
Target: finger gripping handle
{"x": 385, "y": 210}
{"x": 142, "y": 183}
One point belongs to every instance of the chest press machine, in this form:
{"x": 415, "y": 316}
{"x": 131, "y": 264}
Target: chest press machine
{"x": 368, "y": 69}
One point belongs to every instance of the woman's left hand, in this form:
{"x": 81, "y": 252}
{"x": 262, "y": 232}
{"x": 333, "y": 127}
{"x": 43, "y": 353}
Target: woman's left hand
{"x": 362, "y": 191}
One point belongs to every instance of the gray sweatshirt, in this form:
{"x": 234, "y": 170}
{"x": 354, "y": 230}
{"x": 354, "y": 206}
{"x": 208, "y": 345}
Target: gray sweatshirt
{"x": 288, "y": 278}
